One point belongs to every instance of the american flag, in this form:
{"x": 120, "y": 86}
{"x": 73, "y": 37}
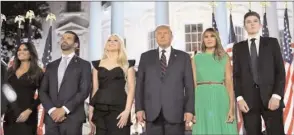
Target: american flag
{"x": 265, "y": 32}
{"x": 232, "y": 41}
{"x": 214, "y": 25}
{"x": 46, "y": 59}
{"x": 232, "y": 38}
{"x": 289, "y": 87}
{"x": 232, "y": 35}
{"x": 48, "y": 49}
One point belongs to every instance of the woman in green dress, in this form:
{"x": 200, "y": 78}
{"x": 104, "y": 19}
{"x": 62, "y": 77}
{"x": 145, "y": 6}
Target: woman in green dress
{"x": 214, "y": 96}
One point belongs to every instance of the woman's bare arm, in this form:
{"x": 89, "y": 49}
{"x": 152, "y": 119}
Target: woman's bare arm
{"x": 229, "y": 83}
{"x": 131, "y": 88}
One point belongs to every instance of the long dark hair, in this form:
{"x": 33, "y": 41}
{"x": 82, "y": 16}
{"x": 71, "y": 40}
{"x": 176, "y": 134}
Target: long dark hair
{"x": 219, "y": 51}
{"x": 34, "y": 71}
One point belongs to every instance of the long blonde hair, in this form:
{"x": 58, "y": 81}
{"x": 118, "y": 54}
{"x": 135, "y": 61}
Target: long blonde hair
{"x": 219, "y": 51}
{"x": 122, "y": 59}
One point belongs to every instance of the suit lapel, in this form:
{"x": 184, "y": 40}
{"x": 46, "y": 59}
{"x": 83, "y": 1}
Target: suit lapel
{"x": 55, "y": 71}
{"x": 171, "y": 61}
{"x": 71, "y": 66}
{"x": 157, "y": 62}
{"x": 262, "y": 44}
{"x": 172, "y": 58}
{"x": 247, "y": 55}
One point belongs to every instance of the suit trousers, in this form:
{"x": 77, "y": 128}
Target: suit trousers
{"x": 162, "y": 127}
{"x": 67, "y": 127}
{"x": 252, "y": 119}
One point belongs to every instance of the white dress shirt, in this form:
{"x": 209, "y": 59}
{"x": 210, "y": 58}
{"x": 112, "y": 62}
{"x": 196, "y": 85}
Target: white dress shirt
{"x": 257, "y": 41}
{"x": 167, "y": 53}
{"x": 70, "y": 56}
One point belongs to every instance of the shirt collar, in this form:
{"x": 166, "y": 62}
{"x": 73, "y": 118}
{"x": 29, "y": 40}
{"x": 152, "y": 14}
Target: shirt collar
{"x": 69, "y": 56}
{"x": 257, "y": 37}
{"x": 168, "y": 49}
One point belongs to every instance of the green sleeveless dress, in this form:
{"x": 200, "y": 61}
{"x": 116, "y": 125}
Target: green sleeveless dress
{"x": 211, "y": 100}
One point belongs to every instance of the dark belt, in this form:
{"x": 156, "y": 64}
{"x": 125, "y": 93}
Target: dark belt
{"x": 201, "y": 83}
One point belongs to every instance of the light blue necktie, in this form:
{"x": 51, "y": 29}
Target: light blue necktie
{"x": 61, "y": 70}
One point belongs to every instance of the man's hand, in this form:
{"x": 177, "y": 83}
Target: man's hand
{"x": 273, "y": 104}
{"x": 141, "y": 117}
{"x": 188, "y": 117}
{"x": 243, "y": 106}
{"x": 58, "y": 115}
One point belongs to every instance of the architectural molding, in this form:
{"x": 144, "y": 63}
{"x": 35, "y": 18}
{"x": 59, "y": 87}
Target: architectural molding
{"x": 80, "y": 30}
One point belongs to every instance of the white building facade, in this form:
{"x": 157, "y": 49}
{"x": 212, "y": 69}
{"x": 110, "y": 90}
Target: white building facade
{"x": 136, "y": 21}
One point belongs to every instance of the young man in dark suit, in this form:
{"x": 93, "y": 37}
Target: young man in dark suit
{"x": 65, "y": 87}
{"x": 259, "y": 79}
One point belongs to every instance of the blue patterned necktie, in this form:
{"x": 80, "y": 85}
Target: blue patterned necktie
{"x": 163, "y": 65}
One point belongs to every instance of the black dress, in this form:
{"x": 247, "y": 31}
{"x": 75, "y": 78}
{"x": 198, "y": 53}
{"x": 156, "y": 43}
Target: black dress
{"x": 25, "y": 89}
{"x": 110, "y": 100}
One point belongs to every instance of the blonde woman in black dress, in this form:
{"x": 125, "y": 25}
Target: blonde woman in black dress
{"x": 111, "y": 100}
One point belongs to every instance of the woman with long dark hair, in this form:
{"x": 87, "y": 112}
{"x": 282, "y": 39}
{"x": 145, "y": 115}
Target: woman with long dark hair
{"x": 214, "y": 96}
{"x": 24, "y": 76}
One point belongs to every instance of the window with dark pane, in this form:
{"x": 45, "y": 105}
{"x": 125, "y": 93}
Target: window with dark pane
{"x": 188, "y": 47}
{"x": 188, "y": 37}
{"x": 194, "y": 27}
{"x": 187, "y": 28}
{"x": 151, "y": 40}
{"x": 193, "y": 36}
{"x": 239, "y": 31}
{"x": 200, "y": 27}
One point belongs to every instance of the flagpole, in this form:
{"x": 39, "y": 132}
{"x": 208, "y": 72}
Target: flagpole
{"x": 19, "y": 19}
{"x": 230, "y": 6}
{"x": 30, "y": 15}
{"x": 214, "y": 25}
{"x": 250, "y": 6}
{"x": 264, "y": 6}
{"x": 213, "y": 5}
{"x": 51, "y": 17}
{"x": 45, "y": 60}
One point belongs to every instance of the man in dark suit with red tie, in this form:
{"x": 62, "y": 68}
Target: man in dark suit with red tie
{"x": 165, "y": 88}
{"x": 259, "y": 79}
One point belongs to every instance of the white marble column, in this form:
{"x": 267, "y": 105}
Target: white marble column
{"x": 117, "y": 18}
{"x": 161, "y": 13}
{"x": 95, "y": 45}
{"x": 272, "y": 20}
{"x": 222, "y": 20}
